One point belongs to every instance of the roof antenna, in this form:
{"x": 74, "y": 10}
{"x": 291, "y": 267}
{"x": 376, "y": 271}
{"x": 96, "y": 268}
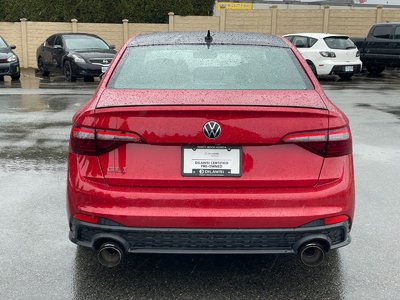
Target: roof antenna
{"x": 208, "y": 39}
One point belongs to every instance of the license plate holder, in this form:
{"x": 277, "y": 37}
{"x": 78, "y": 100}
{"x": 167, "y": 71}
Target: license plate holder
{"x": 211, "y": 161}
{"x": 349, "y": 68}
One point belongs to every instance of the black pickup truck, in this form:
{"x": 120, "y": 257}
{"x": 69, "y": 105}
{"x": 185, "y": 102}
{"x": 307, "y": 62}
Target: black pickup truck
{"x": 381, "y": 48}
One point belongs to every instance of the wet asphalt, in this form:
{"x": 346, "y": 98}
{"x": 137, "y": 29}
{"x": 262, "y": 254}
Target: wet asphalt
{"x": 37, "y": 261}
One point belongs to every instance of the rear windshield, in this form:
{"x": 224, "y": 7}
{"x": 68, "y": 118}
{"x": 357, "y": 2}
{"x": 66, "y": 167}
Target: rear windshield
{"x": 339, "y": 42}
{"x": 220, "y": 67}
{"x": 79, "y": 42}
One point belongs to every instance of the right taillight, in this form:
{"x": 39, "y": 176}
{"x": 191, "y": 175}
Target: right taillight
{"x": 91, "y": 141}
{"x": 327, "y": 143}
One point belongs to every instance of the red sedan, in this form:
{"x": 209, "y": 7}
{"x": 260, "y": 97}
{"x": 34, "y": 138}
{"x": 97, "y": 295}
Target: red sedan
{"x": 199, "y": 143}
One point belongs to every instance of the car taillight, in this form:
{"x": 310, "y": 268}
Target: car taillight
{"x": 327, "y": 54}
{"x": 327, "y": 143}
{"x": 90, "y": 141}
{"x": 358, "y": 54}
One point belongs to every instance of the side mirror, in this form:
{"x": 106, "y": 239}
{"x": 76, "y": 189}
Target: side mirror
{"x": 12, "y": 47}
{"x": 112, "y": 47}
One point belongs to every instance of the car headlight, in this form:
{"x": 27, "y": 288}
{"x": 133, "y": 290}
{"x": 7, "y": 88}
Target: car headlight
{"x": 327, "y": 54}
{"x": 12, "y": 58}
{"x": 77, "y": 58}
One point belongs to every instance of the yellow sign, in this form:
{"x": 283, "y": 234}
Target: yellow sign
{"x": 235, "y": 5}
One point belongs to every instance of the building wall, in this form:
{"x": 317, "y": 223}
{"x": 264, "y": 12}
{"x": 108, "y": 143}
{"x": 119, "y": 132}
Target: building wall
{"x": 27, "y": 36}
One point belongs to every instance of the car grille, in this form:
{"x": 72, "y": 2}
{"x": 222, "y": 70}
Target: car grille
{"x": 211, "y": 239}
{"x": 101, "y": 61}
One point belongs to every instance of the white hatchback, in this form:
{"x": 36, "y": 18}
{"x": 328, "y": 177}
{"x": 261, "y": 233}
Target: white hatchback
{"x": 328, "y": 54}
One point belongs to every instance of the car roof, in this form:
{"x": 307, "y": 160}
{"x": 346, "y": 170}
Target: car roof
{"x": 316, "y": 35}
{"x": 221, "y": 38}
{"x": 76, "y": 33}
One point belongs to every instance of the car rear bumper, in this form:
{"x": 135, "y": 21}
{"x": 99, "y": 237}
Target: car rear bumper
{"x": 331, "y": 68}
{"x": 209, "y": 241}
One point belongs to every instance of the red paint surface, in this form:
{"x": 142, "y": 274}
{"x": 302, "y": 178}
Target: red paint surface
{"x": 140, "y": 184}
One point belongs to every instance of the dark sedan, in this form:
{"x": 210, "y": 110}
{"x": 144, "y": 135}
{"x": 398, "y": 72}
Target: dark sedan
{"x": 9, "y": 62}
{"x": 75, "y": 55}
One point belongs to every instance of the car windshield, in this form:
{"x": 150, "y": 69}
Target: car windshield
{"x": 80, "y": 42}
{"x": 219, "y": 67}
{"x": 3, "y": 43}
{"x": 339, "y": 42}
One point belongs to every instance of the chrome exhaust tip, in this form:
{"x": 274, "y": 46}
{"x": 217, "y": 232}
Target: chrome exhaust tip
{"x": 312, "y": 254}
{"x": 110, "y": 255}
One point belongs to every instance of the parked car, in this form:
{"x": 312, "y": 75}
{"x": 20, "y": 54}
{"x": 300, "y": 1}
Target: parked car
{"x": 74, "y": 55}
{"x": 9, "y": 62}
{"x": 195, "y": 143}
{"x": 381, "y": 48}
{"x": 328, "y": 54}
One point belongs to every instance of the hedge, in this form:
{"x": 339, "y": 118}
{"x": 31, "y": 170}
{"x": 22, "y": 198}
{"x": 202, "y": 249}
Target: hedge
{"x": 102, "y": 11}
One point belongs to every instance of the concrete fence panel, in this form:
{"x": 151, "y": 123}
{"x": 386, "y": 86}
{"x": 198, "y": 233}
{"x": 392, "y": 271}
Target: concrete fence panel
{"x": 391, "y": 15}
{"x": 249, "y": 20}
{"x": 299, "y": 20}
{"x": 196, "y": 23}
{"x": 353, "y": 22}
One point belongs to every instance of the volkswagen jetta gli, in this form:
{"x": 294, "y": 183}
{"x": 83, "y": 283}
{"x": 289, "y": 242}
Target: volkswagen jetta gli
{"x": 220, "y": 143}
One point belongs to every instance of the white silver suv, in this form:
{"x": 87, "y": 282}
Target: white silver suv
{"x": 328, "y": 54}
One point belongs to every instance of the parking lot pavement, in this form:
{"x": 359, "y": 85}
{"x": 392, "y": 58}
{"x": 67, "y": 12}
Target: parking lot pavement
{"x": 37, "y": 261}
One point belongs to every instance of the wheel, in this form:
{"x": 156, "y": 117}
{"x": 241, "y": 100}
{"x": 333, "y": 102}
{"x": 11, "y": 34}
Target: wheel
{"x": 375, "y": 69}
{"x": 313, "y": 68}
{"x": 68, "y": 72}
{"x": 345, "y": 76}
{"x": 88, "y": 79}
{"x": 42, "y": 68}
{"x": 15, "y": 77}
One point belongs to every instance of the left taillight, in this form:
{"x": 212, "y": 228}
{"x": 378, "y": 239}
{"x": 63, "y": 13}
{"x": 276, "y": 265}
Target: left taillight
{"x": 326, "y": 143}
{"x": 91, "y": 141}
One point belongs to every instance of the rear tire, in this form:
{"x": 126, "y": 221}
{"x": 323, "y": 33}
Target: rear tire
{"x": 68, "y": 72}
{"x": 42, "y": 68}
{"x": 312, "y": 67}
{"x": 376, "y": 69}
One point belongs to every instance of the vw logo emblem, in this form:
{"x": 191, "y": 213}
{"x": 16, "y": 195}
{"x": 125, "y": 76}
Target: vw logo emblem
{"x": 212, "y": 130}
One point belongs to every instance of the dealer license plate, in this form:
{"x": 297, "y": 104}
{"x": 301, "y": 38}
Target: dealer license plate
{"x": 211, "y": 161}
{"x": 348, "y": 68}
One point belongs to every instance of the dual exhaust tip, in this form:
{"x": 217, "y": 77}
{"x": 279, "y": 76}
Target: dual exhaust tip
{"x": 110, "y": 254}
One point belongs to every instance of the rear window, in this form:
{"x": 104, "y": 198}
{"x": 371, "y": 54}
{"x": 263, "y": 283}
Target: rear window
{"x": 220, "y": 67}
{"x": 382, "y": 32}
{"x": 339, "y": 42}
